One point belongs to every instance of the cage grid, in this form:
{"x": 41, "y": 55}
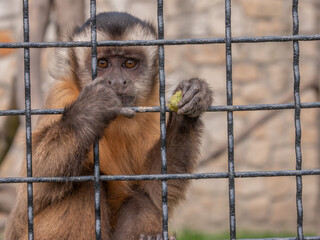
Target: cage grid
{"x": 228, "y": 40}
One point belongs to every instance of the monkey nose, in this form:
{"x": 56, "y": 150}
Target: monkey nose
{"x": 114, "y": 82}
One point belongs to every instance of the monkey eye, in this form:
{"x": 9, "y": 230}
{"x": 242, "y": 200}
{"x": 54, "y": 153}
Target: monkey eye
{"x": 103, "y": 63}
{"x": 130, "y": 64}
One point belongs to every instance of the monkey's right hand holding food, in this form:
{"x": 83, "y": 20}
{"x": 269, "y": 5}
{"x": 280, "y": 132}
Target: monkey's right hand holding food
{"x": 96, "y": 106}
{"x": 192, "y": 98}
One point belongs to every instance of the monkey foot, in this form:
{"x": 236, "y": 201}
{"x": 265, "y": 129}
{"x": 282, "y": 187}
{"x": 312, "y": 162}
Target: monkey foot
{"x": 154, "y": 237}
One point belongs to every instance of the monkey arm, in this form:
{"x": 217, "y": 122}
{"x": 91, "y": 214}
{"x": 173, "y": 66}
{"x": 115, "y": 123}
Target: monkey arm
{"x": 57, "y": 152}
{"x": 183, "y": 141}
{"x": 60, "y": 148}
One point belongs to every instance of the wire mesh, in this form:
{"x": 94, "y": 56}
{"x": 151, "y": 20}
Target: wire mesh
{"x": 231, "y": 175}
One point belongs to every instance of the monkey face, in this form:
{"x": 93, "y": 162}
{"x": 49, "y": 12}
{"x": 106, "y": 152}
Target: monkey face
{"x": 131, "y": 72}
{"x": 120, "y": 73}
{"x": 126, "y": 72}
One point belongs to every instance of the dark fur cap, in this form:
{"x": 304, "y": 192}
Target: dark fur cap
{"x": 116, "y": 23}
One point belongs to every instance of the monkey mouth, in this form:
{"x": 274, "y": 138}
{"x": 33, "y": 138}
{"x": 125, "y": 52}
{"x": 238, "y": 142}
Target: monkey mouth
{"x": 126, "y": 100}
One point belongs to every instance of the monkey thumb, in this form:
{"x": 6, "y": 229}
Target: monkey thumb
{"x": 127, "y": 112}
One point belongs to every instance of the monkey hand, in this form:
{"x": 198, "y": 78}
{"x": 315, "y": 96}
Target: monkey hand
{"x": 196, "y": 97}
{"x": 95, "y": 107}
{"x": 154, "y": 237}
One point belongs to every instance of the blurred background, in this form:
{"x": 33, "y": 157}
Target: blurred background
{"x": 262, "y": 74}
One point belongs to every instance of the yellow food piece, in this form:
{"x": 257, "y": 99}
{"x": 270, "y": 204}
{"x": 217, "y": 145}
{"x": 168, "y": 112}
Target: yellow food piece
{"x": 174, "y": 100}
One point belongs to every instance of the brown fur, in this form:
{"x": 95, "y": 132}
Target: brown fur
{"x": 62, "y": 146}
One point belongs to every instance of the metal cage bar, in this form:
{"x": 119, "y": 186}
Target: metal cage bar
{"x": 163, "y": 131}
{"x": 27, "y": 83}
{"x": 96, "y": 167}
{"x": 232, "y": 203}
{"x": 297, "y": 113}
{"x": 221, "y": 108}
{"x": 261, "y": 39}
{"x": 213, "y": 175}
{"x": 231, "y": 175}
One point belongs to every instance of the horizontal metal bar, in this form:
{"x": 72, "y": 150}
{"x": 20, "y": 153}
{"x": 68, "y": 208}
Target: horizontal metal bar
{"x": 60, "y": 111}
{"x": 259, "y": 107}
{"x": 281, "y": 238}
{"x": 46, "y": 179}
{"x": 60, "y": 44}
{"x": 251, "y": 174}
{"x": 221, "y": 108}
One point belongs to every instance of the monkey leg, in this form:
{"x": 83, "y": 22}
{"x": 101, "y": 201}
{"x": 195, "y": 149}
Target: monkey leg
{"x": 138, "y": 219}
{"x": 72, "y": 218}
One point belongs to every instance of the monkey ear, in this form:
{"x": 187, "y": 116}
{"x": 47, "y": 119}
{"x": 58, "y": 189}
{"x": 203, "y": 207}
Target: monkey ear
{"x": 61, "y": 67}
{"x": 76, "y": 30}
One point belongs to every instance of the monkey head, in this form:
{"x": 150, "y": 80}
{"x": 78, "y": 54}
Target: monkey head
{"x": 131, "y": 72}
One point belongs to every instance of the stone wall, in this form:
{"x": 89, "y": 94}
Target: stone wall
{"x": 262, "y": 73}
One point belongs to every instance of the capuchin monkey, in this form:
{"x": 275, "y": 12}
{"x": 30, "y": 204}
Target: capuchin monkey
{"x": 99, "y": 110}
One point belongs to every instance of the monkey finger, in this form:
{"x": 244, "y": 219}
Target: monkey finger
{"x": 183, "y": 86}
{"x": 190, "y": 107}
{"x": 98, "y": 79}
{"x": 157, "y": 237}
{"x": 127, "y": 112}
{"x": 189, "y": 95}
{"x": 142, "y": 237}
{"x": 151, "y": 237}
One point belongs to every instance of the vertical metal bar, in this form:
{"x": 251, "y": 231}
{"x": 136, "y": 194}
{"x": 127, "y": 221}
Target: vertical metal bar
{"x": 296, "y": 72}
{"x": 232, "y": 215}
{"x": 96, "y": 145}
{"x": 27, "y": 83}
{"x": 164, "y": 189}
